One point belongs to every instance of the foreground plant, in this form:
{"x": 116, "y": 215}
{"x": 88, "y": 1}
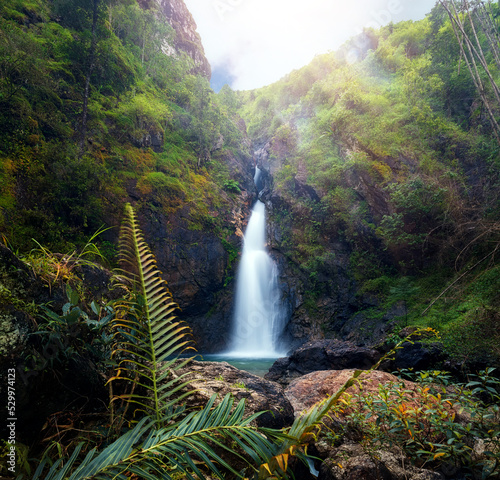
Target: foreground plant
{"x": 168, "y": 440}
{"x": 307, "y": 426}
{"x": 56, "y": 269}
{"x": 434, "y": 422}
{"x": 148, "y": 337}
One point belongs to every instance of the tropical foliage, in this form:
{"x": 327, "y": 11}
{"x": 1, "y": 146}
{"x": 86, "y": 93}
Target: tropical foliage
{"x": 395, "y": 139}
{"x": 425, "y": 420}
{"x": 90, "y": 107}
{"x": 386, "y": 152}
{"x": 168, "y": 439}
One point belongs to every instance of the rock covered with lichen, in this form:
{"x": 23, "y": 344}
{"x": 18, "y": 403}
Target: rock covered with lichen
{"x": 16, "y": 288}
{"x": 219, "y": 378}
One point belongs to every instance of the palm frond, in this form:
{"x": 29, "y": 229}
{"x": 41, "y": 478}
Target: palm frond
{"x": 203, "y": 437}
{"x": 110, "y": 463}
{"x": 194, "y": 446}
{"x": 146, "y": 329}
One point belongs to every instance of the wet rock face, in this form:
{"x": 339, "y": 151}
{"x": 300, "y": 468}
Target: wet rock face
{"x": 199, "y": 265}
{"x": 321, "y": 355}
{"x": 209, "y": 378}
{"x": 312, "y": 305}
{"x": 331, "y": 307}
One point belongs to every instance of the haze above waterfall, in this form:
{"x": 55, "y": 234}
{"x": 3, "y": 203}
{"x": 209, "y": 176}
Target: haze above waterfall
{"x": 254, "y": 43}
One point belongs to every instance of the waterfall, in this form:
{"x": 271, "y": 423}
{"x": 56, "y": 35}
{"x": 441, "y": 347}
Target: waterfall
{"x": 258, "y": 315}
{"x": 256, "y": 177}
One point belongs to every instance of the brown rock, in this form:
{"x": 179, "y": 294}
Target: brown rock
{"x": 208, "y": 378}
{"x": 305, "y": 391}
{"x": 352, "y": 462}
{"x": 186, "y": 39}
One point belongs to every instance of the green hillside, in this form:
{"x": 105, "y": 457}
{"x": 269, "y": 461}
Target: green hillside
{"x": 387, "y": 146}
{"x": 91, "y": 111}
{"x": 382, "y": 162}
{"x": 380, "y": 173}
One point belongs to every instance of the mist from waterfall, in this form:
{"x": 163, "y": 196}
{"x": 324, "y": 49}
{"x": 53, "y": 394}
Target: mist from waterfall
{"x": 258, "y": 316}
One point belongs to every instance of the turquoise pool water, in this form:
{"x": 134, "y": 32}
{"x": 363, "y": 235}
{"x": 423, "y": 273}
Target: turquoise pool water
{"x": 257, "y": 366}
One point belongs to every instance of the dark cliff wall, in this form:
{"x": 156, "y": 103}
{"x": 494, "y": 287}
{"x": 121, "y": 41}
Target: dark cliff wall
{"x": 200, "y": 264}
{"x": 322, "y": 296}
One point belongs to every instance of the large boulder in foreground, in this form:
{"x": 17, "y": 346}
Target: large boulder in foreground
{"x": 305, "y": 391}
{"x": 353, "y": 461}
{"x": 209, "y": 378}
{"x": 321, "y": 355}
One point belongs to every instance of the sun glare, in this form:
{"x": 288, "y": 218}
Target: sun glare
{"x": 262, "y": 40}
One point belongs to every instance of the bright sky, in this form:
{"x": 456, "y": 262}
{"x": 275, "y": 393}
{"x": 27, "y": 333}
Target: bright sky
{"x": 252, "y": 43}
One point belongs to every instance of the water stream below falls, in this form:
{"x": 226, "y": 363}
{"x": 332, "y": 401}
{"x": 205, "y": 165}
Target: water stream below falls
{"x": 258, "y": 314}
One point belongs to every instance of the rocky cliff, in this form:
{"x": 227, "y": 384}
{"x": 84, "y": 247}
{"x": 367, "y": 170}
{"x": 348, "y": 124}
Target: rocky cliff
{"x": 186, "y": 39}
{"x": 321, "y": 296}
{"x": 200, "y": 264}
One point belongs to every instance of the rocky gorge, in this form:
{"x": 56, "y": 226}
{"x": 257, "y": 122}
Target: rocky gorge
{"x": 381, "y": 206}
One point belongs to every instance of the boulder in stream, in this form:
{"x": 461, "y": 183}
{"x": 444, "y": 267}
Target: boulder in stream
{"x": 321, "y": 355}
{"x": 208, "y": 378}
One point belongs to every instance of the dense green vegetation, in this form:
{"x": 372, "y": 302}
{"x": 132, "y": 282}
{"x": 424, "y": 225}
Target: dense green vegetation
{"x": 397, "y": 146}
{"x": 419, "y": 419}
{"x": 388, "y": 148}
{"x": 403, "y": 160}
{"x": 150, "y": 430}
{"x": 90, "y": 110}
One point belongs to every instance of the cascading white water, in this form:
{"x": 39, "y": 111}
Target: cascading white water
{"x": 258, "y": 316}
{"x": 256, "y": 176}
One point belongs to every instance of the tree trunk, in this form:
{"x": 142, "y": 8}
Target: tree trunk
{"x": 90, "y": 68}
{"x": 470, "y": 59}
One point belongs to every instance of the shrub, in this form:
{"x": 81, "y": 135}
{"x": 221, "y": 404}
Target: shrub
{"x": 432, "y": 421}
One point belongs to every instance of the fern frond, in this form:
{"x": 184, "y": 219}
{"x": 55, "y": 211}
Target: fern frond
{"x": 146, "y": 329}
{"x": 204, "y": 435}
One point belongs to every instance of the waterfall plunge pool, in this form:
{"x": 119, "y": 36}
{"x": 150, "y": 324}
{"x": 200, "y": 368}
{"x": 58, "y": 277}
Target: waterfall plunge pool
{"x": 259, "y": 317}
{"x": 256, "y": 365}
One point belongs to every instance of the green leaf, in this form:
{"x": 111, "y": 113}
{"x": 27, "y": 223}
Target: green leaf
{"x": 145, "y": 325}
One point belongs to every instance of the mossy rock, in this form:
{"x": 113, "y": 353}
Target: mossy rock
{"x": 10, "y": 336}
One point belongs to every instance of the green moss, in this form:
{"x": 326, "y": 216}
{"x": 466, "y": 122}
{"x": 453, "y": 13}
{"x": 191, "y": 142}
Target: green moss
{"x": 10, "y": 337}
{"x": 233, "y": 254}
